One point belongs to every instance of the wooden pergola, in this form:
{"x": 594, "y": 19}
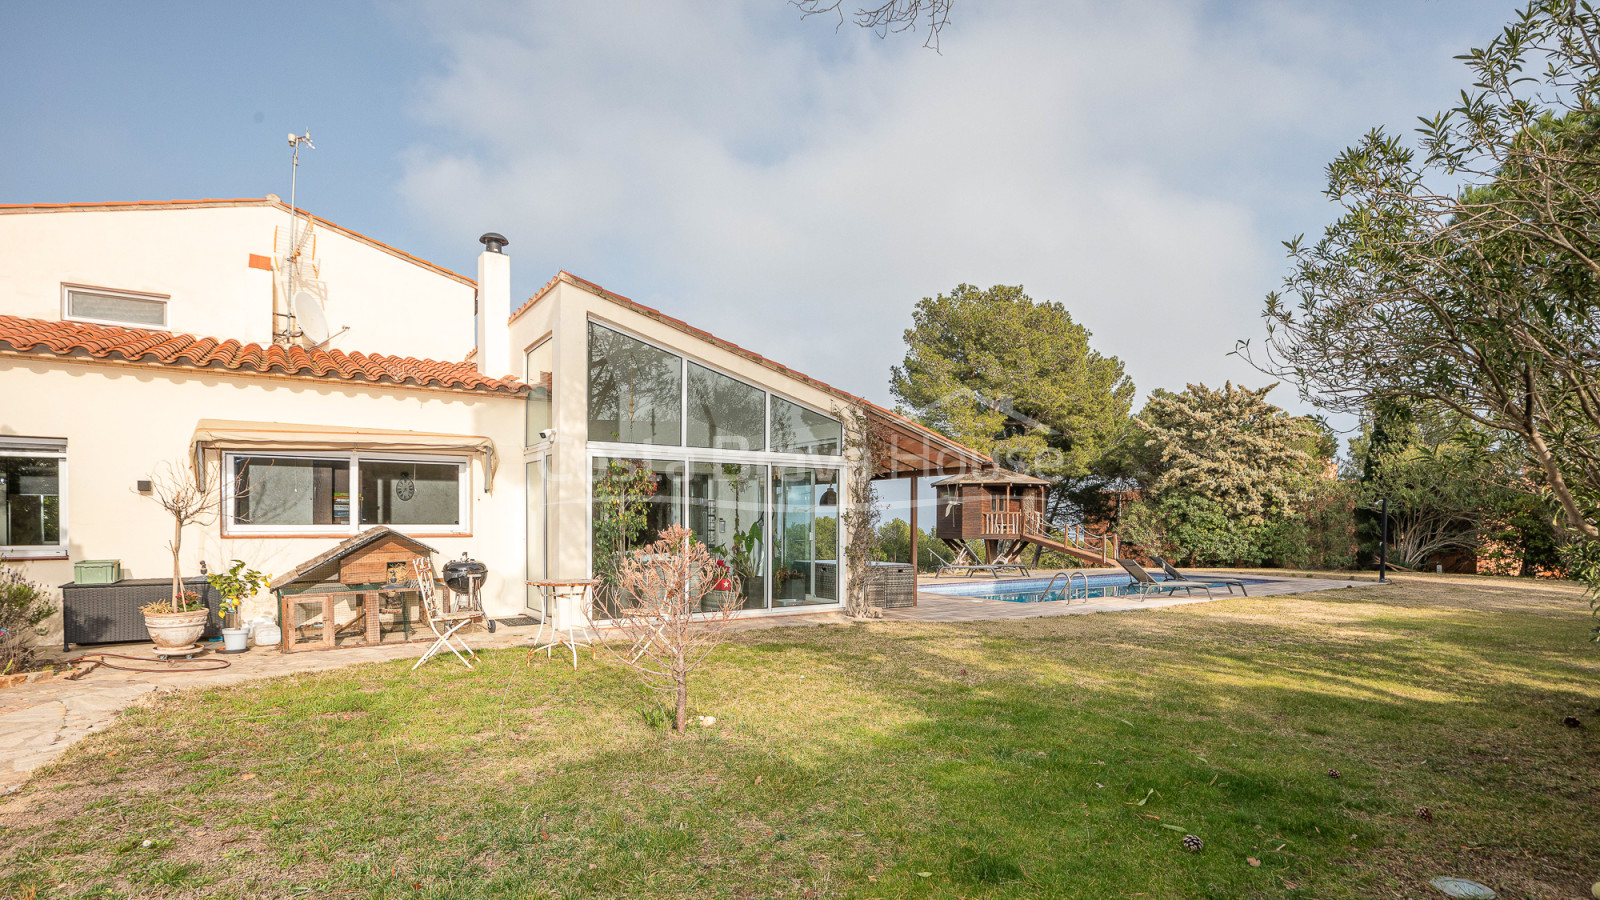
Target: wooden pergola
{"x": 906, "y": 449}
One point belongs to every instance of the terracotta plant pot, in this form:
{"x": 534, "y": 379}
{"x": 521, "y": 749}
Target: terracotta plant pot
{"x": 173, "y": 630}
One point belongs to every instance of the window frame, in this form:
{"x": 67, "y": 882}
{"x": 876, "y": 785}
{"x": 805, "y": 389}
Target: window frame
{"x": 766, "y": 408}
{"x": 547, "y": 339}
{"x": 685, "y": 357}
{"x": 40, "y": 448}
{"x": 688, "y": 456}
{"x": 231, "y": 528}
{"x": 683, "y": 383}
{"x": 163, "y": 299}
{"x": 843, "y": 437}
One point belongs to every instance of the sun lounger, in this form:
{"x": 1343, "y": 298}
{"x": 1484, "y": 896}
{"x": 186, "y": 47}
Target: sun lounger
{"x": 1202, "y": 579}
{"x": 1143, "y": 582}
{"x": 973, "y": 570}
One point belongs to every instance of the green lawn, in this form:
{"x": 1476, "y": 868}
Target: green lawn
{"x": 1052, "y": 757}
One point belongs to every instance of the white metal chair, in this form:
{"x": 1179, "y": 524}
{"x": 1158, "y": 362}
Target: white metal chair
{"x": 444, "y": 624}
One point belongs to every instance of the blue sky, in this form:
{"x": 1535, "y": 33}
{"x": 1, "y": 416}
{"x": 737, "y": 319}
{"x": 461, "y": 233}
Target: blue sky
{"x": 788, "y": 186}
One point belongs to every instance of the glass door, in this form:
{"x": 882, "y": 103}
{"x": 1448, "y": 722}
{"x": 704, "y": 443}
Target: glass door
{"x": 805, "y": 536}
{"x": 727, "y": 506}
{"x": 538, "y": 513}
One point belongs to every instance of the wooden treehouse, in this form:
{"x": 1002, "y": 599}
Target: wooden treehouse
{"x": 1005, "y": 510}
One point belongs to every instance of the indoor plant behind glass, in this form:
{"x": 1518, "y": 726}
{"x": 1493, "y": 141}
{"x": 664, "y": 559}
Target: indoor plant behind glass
{"x": 178, "y": 622}
{"x": 233, "y": 586}
{"x": 621, "y": 517}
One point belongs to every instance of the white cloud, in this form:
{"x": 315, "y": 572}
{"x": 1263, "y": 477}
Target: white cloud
{"x": 796, "y": 190}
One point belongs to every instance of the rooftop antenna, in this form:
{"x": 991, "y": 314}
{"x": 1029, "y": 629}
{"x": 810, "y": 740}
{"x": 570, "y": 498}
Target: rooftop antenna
{"x": 295, "y": 140}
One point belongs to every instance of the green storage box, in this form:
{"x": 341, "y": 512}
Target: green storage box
{"x": 97, "y": 571}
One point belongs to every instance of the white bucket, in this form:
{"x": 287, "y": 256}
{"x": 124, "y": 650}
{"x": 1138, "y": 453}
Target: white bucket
{"x": 267, "y": 635}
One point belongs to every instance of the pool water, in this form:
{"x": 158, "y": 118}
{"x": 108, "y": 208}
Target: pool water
{"x": 1033, "y": 590}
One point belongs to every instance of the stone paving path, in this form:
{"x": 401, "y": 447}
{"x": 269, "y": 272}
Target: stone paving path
{"x": 39, "y": 721}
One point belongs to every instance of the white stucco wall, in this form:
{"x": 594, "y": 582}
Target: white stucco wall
{"x": 122, "y": 421}
{"x": 199, "y": 257}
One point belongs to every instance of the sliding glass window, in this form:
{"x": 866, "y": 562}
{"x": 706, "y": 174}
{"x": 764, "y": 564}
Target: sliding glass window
{"x": 410, "y": 493}
{"x": 805, "y": 536}
{"x": 266, "y": 494}
{"x": 725, "y": 413}
{"x": 275, "y": 490}
{"x": 635, "y": 390}
{"x": 796, "y": 429}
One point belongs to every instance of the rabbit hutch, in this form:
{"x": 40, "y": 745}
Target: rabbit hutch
{"x": 1005, "y": 510}
{"x": 361, "y": 592}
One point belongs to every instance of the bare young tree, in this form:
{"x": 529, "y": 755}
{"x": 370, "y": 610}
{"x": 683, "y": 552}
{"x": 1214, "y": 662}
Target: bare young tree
{"x": 189, "y": 497}
{"x": 863, "y": 447}
{"x": 888, "y": 17}
{"x": 675, "y": 603}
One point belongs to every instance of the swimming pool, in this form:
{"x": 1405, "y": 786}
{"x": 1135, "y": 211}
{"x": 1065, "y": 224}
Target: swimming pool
{"x": 1032, "y": 590}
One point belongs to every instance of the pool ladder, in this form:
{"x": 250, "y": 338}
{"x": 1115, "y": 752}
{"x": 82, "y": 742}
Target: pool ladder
{"x": 1069, "y": 593}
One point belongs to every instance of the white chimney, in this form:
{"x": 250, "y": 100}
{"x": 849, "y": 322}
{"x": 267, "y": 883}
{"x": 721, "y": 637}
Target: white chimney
{"x": 494, "y": 307}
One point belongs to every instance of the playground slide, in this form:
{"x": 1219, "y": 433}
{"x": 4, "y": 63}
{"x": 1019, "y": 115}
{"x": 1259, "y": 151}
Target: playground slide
{"x": 1092, "y": 557}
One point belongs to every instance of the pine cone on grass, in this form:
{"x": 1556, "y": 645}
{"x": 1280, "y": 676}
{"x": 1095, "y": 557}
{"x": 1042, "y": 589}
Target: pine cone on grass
{"x": 1425, "y": 814}
{"x": 1192, "y": 844}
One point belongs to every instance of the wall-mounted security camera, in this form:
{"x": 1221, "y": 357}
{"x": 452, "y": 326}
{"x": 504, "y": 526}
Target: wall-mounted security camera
{"x": 546, "y": 434}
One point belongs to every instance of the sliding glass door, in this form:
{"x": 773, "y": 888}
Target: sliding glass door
{"x": 805, "y": 536}
{"x": 538, "y": 522}
{"x": 727, "y": 512}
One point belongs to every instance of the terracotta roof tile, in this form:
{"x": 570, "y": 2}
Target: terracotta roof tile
{"x": 162, "y": 348}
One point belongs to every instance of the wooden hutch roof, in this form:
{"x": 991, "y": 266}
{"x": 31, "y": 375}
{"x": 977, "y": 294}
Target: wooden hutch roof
{"x": 326, "y": 566}
{"x": 995, "y": 476}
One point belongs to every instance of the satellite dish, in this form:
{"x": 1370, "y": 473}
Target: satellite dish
{"x": 308, "y": 313}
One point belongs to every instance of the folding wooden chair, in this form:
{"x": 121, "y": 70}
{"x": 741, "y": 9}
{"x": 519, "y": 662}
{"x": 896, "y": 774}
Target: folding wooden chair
{"x": 444, "y": 624}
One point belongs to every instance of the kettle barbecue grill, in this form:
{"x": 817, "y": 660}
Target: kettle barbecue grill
{"x": 464, "y": 577}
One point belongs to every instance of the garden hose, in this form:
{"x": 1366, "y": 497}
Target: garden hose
{"x": 172, "y": 665}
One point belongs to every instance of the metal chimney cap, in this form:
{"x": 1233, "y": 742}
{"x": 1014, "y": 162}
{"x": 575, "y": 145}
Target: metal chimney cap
{"x": 493, "y": 242}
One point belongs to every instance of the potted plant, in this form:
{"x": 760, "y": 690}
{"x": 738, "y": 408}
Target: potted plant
{"x": 233, "y": 586}
{"x": 791, "y": 583}
{"x": 178, "y": 622}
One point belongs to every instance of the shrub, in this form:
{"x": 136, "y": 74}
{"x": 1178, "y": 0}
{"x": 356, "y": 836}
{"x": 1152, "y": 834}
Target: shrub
{"x": 24, "y": 607}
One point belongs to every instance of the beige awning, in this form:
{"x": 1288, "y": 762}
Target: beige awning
{"x": 224, "y": 434}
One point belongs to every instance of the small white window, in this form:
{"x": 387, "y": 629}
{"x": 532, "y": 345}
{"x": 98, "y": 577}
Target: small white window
{"x": 114, "y": 307}
{"x": 33, "y": 497}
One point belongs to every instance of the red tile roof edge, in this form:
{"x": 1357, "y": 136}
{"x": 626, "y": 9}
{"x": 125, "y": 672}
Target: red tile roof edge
{"x": 730, "y": 346}
{"x": 32, "y": 338}
{"x": 235, "y": 201}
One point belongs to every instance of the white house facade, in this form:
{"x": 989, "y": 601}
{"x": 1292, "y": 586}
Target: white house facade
{"x": 137, "y": 336}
